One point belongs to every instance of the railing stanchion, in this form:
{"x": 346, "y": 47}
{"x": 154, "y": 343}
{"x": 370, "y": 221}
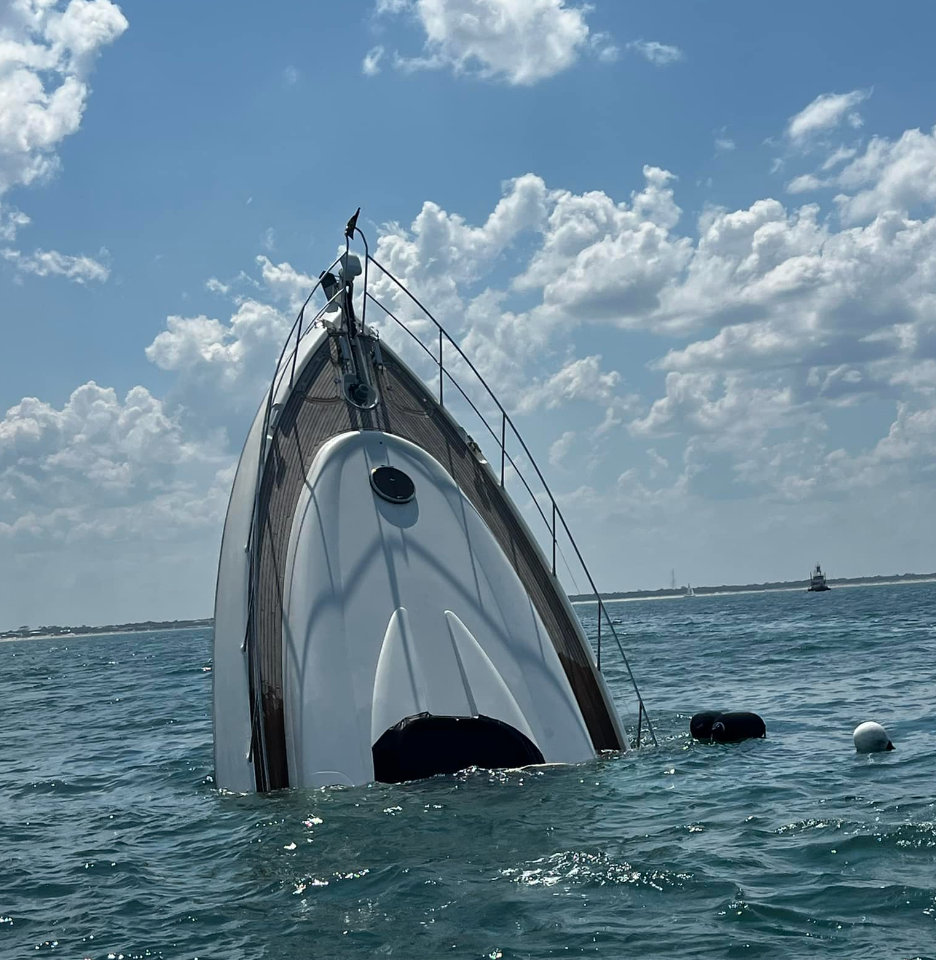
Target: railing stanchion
{"x": 441, "y": 378}
{"x": 600, "y": 608}
{"x": 503, "y": 443}
{"x": 292, "y": 372}
{"x": 554, "y": 538}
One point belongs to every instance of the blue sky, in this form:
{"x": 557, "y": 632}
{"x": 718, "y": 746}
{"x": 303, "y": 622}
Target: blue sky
{"x": 708, "y": 295}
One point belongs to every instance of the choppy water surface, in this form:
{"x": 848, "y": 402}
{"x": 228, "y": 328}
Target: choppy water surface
{"x": 113, "y": 840}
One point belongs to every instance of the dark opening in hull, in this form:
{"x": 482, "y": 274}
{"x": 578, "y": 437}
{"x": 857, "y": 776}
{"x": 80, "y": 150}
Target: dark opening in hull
{"x": 425, "y": 745}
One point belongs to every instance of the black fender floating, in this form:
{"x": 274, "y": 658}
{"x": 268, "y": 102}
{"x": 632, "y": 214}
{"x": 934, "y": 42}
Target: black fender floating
{"x": 727, "y": 727}
{"x": 700, "y": 726}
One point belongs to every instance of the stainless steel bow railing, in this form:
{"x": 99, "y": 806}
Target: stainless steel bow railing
{"x": 503, "y": 432}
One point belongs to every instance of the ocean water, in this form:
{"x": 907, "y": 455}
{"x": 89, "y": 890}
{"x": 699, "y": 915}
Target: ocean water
{"x": 114, "y": 841}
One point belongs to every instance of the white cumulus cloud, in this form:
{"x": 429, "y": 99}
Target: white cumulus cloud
{"x": 660, "y": 54}
{"x": 724, "y": 144}
{"x": 581, "y": 379}
{"x": 232, "y": 358}
{"x": 520, "y": 41}
{"x": 47, "y": 53}
{"x": 885, "y": 176}
{"x": 97, "y": 449}
{"x": 51, "y": 263}
{"x": 11, "y": 221}
{"x": 808, "y": 318}
{"x": 370, "y": 65}
{"x": 890, "y": 175}
{"x": 825, "y": 113}
{"x": 559, "y": 449}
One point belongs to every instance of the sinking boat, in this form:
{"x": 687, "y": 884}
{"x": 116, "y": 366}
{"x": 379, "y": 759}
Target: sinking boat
{"x": 383, "y": 611}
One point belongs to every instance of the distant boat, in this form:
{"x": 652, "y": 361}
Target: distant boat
{"x": 689, "y": 591}
{"x": 817, "y": 581}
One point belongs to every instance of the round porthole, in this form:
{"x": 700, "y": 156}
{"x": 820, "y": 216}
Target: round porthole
{"x": 392, "y": 484}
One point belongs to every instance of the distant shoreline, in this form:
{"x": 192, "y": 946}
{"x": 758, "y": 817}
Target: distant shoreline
{"x": 732, "y": 589}
{"x": 6, "y": 638}
{"x": 69, "y": 633}
{"x": 152, "y": 626}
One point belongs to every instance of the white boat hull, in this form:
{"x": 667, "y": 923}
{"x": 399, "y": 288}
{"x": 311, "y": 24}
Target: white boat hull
{"x": 365, "y": 622}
